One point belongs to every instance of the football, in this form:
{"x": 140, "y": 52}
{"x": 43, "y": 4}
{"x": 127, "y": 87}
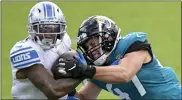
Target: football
{"x": 67, "y": 56}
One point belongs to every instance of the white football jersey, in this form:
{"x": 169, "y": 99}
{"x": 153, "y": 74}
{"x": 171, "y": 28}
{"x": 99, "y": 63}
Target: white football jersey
{"x": 27, "y": 53}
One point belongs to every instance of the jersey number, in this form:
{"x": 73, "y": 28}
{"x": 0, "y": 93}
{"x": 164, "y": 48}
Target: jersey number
{"x": 124, "y": 95}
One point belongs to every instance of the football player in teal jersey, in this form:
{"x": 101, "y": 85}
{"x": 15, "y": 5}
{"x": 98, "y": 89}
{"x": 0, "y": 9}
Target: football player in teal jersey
{"x": 124, "y": 66}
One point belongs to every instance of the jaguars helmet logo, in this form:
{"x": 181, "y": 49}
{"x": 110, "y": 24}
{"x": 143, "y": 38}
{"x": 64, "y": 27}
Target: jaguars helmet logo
{"x": 100, "y": 20}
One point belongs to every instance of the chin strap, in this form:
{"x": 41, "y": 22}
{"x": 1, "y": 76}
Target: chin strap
{"x": 45, "y": 44}
{"x": 101, "y": 60}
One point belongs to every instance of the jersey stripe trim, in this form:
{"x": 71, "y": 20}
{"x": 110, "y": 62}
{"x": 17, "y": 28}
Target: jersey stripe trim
{"x": 20, "y": 50}
{"x": 21, "y": 63}
{"x": 24, "y": 56}
{"x": 27, "y": 64}
{"x": 138, "y": 85}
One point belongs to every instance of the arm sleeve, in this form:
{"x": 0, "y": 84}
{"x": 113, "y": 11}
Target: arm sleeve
{"x": 139, "y": 45}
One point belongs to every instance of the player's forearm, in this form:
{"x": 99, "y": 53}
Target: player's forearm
{"x": 66, "y": 85}
{"x": 53, "y": 89}
{"x": 112, "y": 74}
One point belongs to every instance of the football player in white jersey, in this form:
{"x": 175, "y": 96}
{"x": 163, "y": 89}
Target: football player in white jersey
{"x": 32, "y": 58}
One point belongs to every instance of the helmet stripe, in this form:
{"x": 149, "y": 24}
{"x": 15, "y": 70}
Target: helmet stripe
{"x": 49, "y": 10}
{"x": 54, "y": 11}
{"x": 44, "y": 10}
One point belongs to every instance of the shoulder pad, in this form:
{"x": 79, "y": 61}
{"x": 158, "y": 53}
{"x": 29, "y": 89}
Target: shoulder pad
{"x": 64, "y": 45}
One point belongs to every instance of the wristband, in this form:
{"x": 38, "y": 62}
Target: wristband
{"x": 90, "y": 71}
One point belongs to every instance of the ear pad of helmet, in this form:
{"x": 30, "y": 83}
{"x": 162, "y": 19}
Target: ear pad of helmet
{"x": 58, "y": 36}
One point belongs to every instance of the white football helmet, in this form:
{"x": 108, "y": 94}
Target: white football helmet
{"x": 46, "y": 24}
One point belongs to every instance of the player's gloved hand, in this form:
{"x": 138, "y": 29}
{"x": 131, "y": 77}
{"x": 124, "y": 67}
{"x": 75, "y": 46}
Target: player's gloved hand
{"x": 75, "y": 69}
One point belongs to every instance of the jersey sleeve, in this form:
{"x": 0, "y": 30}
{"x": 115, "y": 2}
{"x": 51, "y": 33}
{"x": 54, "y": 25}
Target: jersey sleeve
{"x": 23, "y": 56}
{"x": 131, "y": 38}
{"x": 139, "y": 45}
{"x": 138, "y": 41}
{"x": 131, "y": 42}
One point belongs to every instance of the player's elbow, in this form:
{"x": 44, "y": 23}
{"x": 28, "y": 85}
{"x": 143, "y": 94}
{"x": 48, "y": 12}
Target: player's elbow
{"x": 123, "y": 76}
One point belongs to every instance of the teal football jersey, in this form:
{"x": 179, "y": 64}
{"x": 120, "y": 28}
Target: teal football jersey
{"x": 152, "y": 81}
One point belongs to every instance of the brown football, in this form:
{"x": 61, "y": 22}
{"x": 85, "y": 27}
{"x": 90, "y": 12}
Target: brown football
{"x": 67, "y": 56}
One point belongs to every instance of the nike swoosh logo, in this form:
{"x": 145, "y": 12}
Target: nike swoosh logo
{"x": 61, "y": 70}
{"x": 140, "y": 35}
{"x": 72, "y": 67}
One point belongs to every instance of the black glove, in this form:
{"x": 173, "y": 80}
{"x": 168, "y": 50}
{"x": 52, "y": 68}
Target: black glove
{"x": 74, "y": 69}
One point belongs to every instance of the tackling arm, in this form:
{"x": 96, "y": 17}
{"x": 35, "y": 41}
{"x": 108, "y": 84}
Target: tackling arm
{"x": 137, "y": 54}
{"x": 125, "y": 70}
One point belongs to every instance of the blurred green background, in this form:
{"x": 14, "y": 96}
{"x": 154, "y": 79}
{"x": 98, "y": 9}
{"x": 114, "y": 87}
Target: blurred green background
{"x": 161, "y": 20}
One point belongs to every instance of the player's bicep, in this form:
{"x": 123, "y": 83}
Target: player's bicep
{"x": 133, "y": 61}
{"x": 24, "y": 57}
{"x": 39, "y": 76}
{"x": 137, "y": 54}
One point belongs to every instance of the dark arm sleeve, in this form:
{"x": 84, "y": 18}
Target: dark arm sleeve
{"x": 72, "y": 93}
{"x": 139, "y": 45}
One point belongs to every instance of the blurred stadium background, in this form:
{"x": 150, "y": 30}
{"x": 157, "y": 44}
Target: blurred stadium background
{"x": 161, "y": 20}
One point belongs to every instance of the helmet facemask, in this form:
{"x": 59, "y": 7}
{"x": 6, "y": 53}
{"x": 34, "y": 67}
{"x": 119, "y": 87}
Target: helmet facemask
{"x": 46, "y": 35}
{"x": 93, "y": 48}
